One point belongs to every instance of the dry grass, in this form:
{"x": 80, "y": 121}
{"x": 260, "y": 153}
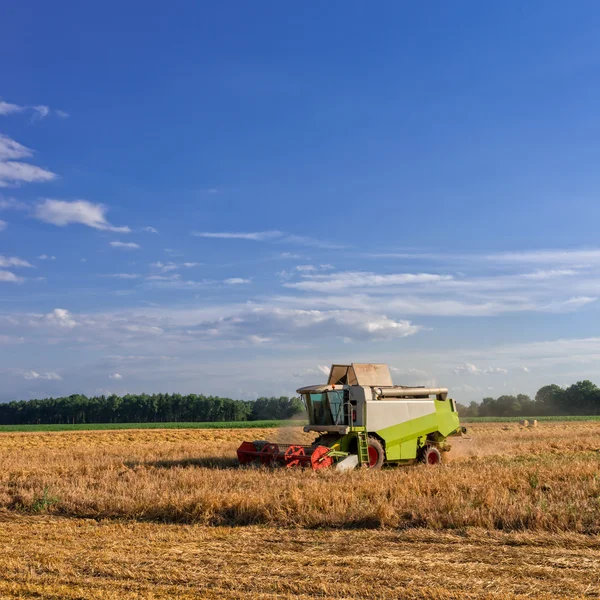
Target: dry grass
{"x": 56, "y": 558}
{"x": 515, "y": 513}
{"x": 510, "y": 479}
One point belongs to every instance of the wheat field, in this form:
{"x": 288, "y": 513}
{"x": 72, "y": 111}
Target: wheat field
{"x": 512, "y": 512}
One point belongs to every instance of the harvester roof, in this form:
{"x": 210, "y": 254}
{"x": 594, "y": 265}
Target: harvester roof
{"x": 369, "y": 374}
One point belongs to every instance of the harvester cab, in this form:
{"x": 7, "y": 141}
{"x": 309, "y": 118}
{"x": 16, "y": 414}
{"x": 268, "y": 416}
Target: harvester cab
{"x": 361, "y": 418}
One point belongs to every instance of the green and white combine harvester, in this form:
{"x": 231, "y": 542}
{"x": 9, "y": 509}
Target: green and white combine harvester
{"x": 362, "y": 419}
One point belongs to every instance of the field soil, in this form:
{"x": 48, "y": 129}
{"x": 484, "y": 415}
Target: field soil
{"x": 512, "y": 513}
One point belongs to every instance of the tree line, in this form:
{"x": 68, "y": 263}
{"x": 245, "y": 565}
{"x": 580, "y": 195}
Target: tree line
{"x": 581, "y": 398}
{"x": 146, "y": 408}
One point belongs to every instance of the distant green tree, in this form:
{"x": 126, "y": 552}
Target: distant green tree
{"x": 142, "y": 408}
{"x": 546, "y": 399}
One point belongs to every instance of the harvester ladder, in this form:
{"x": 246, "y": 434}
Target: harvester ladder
{"x": 363, "y": 448}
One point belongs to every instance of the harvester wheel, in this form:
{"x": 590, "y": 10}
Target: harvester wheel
{"x": 432, "y": 456}
{"x": 376, "y": 453}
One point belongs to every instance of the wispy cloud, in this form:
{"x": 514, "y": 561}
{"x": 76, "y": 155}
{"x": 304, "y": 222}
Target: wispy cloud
{"x": 359, "y": 279}
{"x": 9, "y": 277}
{"x": 172, "y": 277}
{"x": 171, "y": 266}
{"x": 6, "y": 108}
{"x": 471, "y": 369}
{"x": 12, "y": 204}
{"x": 46, "y": 257}
{"x": 116, "y": 376}
{"x": 14, "y": 172}
{"x": 13, "y": 261}
{"x": 277, "y": 323}
{"x": 49, "y": 376}
{"x": 270, "y": 236}
{"x": 38, "y": 111}
{"x": 61, "y": 318}
{"x": 164, "y": 267}
{"x": 82, "y": 212}
{"x": 256, "y": 236}
{"x": 3, "y": 225}
{"x": 125, "y": 245}
{"x": 550, "y": 274}
{"x": 313, "y": 268}
{"x": 236, "y": 281}
{"x": 124, "y": 275}
{"x": 557, "y": 256}
{"x": 149, "y": 229}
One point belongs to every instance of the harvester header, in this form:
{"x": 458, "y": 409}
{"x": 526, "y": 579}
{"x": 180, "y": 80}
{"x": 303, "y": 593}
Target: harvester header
{"x": 362, "y": 418}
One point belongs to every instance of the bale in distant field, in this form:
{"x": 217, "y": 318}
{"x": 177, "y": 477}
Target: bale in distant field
{"x": 524, "y": 423}
{"x": 533, "y": 423}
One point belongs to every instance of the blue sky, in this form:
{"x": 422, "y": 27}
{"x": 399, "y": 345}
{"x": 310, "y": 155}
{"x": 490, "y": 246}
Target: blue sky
{"x": 227, "y": 198}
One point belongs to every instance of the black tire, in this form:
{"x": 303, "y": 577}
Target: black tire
{"x": 374, "y": 445}
{"x": 432, "y": 456}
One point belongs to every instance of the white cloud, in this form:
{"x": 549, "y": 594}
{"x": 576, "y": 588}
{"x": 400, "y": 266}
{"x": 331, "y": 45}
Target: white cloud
{"x": 11, "y": 150}
{"x": 525, "y": 370}
{"x": 60, "y": 317}
{"x": 349, "y": 279}
{"x": 258, "y": 339}
{"x": 269, "y": 236}
{"x": 12, "y": 204}
{"x": 50, "y": 376}
{"x": 40, "y": 111}
{"x": 313, "y": 268}
{"x": 125, "y": 245}
{"x": 13, "y": 261}
{"x": 256, "y": 236}
{"x": 471, "y": 369}
{"x": 568, "y": 305}
{"x": 236, "y": 281}
{"x": 115, "y": 376}
{"x": 3, "y": 225}
{"x": 149, "y": 229}
{"x": 13, "y": 172}
{"x": 63, "y": 212}
{"x": 164, "y": 267}
{"x": 550, "y": 274}
{"x": 171, "y": 266}
{"x": 46, "y": 257}
{"x": 210, "y": 325}
{"x": 557, "y": 256}
{"x": 304, "y": 240}
{"x": 61, "y": 113}
{"x": 134, "y": 328}
{"x": 8, "y": 109}
{"x": 325, "y": 370}
{"x": 8, "y": 277}
{"x": 172, "y": 277}
{"x": 124, "y": 275}
{"x": 274, "y": 323}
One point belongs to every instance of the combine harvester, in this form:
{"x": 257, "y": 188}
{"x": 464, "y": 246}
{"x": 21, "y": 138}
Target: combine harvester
{"x": 364, "y": 420}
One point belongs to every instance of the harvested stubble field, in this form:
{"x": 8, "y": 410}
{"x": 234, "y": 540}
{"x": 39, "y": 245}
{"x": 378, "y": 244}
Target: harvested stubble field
{"x": 156, "y": 514}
